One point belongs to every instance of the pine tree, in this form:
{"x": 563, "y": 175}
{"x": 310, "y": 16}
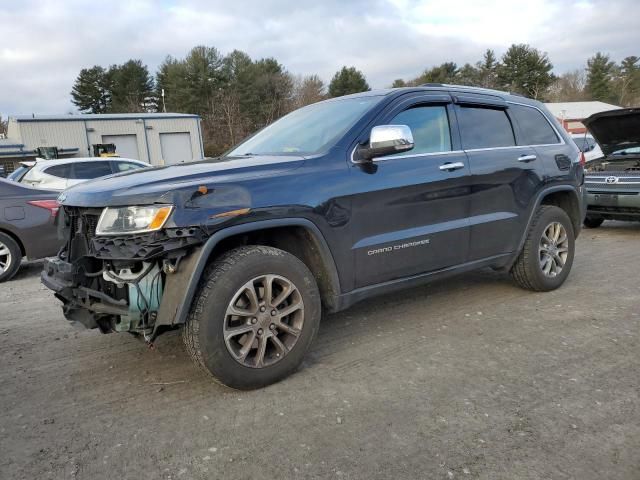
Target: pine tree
{"x": 488, "y": 70}
{"x": 444, "y": 73}
{"x": 600, "y": 72}
{"x": 91, "y": 92}
{"x": 172, "y": 79}
{"x": 131, "y": 88}
{"x": 628, "y": 82}
{"x": 525, "y": 70}
{"x": 468, "y": 75}
{"x": 204, "y": 77}
{"x": 346, "y": 81}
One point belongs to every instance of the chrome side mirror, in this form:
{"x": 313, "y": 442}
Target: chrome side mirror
{"x": 387, "y": 140}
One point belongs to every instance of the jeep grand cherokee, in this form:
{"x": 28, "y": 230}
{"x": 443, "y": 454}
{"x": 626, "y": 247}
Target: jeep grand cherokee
{"x": 333, "y": 203}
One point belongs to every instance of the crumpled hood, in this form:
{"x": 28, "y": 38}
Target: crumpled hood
{"x": 615, "y": 129}
{"x": 175, "y": 183}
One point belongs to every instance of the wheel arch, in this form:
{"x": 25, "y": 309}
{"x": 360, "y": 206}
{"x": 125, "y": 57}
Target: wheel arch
{"x": 298, "y": 236}
{"x": 16, "y": 238}
{"x": 568, "y": 200}
{"x": 562, "y": 196}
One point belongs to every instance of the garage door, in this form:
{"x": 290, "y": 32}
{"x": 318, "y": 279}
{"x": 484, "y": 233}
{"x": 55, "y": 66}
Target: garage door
{"x": 126, "y": 145}
{"x": 176, "y": 147}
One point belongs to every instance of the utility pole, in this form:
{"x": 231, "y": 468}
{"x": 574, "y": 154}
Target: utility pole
{"x": 164, "y": 107}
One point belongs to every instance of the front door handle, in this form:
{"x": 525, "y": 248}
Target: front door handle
{"x": 527, "y": 158}
{"x": 449, "y": 167}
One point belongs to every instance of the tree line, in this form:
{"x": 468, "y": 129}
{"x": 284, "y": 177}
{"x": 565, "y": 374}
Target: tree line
{"x": 236, "y": 95}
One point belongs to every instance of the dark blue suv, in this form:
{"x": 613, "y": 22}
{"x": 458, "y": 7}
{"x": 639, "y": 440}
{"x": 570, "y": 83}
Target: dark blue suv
{"x": 333, "y": 203}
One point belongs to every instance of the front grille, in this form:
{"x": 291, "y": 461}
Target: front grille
{"x": 622, "y": 178}
{"x": 81, "y": 224}
{"x": 90, "y": 223}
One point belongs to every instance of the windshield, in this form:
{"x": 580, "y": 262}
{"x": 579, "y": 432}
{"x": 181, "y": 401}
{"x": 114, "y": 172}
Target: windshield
{"x": 308, "y": 130}
{"x": 584, "y": 143}
{"x": 627, "y": 151}
{"x": 18, "y": 173}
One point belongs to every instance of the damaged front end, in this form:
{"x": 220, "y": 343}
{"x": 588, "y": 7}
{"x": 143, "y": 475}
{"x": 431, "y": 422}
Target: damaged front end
{"x": 116, "y": 283}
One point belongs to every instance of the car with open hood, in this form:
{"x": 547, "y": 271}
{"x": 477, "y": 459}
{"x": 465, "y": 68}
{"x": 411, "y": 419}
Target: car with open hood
{"x": 613, "y": 181}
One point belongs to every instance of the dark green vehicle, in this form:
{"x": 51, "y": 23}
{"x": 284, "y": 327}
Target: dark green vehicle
{"x": 613, "y": 181}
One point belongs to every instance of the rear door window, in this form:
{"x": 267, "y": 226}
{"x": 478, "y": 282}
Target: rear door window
{"x": 429, "y": 126}
{"x": 88, "y": 170}
{"x": 534, "y": 127}
{"x": 482, "y": 127}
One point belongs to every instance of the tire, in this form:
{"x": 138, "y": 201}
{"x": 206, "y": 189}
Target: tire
{"x": 539, "y": 255}
{"x": 10, "y": 257}
{"x": 211, "y": 337}
{"x": 593, "y": 222}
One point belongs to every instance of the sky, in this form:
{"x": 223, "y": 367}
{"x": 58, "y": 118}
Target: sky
{"x": 45, "y": 43}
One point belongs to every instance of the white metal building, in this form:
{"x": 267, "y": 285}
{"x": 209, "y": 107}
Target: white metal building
{"x": 571, "y": 114}
{"x": 156, "y": 138}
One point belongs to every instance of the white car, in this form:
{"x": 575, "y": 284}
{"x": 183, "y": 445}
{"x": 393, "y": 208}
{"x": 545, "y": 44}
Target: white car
{"x": 587, "y": 145}
{"x": 60, "y": 174}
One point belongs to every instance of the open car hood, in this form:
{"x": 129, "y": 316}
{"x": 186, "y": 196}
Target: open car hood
{"x": 615, "y": 129}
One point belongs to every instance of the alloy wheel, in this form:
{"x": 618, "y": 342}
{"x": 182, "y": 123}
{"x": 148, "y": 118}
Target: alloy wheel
{"x": 553, "y": 249}
{"x": 5, "y": 258}
{"x": 263, "y": 321}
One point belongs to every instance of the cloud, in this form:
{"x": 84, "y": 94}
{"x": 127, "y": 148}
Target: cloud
{"x": 46, "y": 42}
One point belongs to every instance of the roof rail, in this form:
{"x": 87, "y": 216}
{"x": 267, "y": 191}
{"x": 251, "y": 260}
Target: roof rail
{"x": 431, "y": 85}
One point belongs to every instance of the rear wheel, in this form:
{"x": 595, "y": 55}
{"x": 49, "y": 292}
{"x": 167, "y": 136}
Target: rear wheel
{"x": 10, "y": 257}
{"x": 593, "y": 222}
{"x": 547, "y": 255}
{"x": 254, "y": 318}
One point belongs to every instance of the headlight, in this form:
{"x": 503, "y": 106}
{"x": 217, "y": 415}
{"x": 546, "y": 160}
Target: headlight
{"x": 136, "y": 219}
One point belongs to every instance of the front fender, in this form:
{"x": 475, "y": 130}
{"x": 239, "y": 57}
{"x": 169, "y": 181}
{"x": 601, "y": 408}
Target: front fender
{"x": 181, "y": 287}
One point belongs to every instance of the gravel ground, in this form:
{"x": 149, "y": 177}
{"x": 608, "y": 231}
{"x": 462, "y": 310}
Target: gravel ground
{"x": 465, "y": 378}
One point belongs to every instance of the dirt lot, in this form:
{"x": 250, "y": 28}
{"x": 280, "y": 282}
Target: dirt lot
{"x": 466, "y": 378}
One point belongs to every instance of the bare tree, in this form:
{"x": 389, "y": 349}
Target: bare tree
{"x": 308, "y": 90}
{"x": 3, "y": 127}
{"x": 569, "y": 87}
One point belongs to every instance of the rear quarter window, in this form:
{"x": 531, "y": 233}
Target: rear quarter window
{"x": 482, "y": 127}
{"x": 125, "y": 166}
{"x": 534, "y": 127}
{"x": 60, "y": 171}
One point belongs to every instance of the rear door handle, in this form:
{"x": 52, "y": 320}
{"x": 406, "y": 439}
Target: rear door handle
{"x": 449, "y": 167}
{"x": 527, "y": 158}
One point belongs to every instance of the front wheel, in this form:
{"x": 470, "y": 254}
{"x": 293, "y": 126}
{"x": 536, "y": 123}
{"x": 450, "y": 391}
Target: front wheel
{"x": 547, "y": 256}
{"x": 254, "y": 318}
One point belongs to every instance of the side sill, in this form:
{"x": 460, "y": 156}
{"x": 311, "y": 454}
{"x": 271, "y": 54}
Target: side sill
{"x": 346, "y": 300}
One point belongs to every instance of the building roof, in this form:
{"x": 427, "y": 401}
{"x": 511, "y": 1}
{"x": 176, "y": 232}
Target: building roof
{"x": 578, "y": 110}
{"x": 99, "y": 116}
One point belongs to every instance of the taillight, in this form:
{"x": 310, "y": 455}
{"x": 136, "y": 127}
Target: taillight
{"x": 583, "y": 160}
{"x": 52, "y": 205}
